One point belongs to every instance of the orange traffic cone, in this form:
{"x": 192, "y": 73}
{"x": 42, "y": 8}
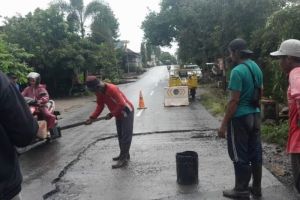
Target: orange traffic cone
{"x": 141, "y": 102}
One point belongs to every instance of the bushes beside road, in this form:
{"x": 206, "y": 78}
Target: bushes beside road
{"x": 215, "y": 100}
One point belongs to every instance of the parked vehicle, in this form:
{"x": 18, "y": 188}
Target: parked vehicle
{"x": 183, "y": 76}
{"x": 194, "y": 69}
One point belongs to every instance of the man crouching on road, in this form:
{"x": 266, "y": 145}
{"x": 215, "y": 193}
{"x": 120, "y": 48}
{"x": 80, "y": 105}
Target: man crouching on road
{"x": 120, "y": 108}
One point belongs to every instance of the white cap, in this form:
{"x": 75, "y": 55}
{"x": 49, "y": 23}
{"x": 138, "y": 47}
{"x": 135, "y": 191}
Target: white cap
{"x": 289, "y": 47}
{"x": 33, "y": 75}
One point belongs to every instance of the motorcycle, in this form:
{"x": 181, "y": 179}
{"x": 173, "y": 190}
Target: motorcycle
{"x": 44, "y": 134}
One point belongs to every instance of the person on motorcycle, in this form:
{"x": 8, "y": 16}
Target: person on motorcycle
{"x": 38, "y": 92}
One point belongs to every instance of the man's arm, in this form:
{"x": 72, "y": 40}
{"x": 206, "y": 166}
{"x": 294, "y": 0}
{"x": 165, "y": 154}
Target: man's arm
{"x": 43, "y": 96}
{"x": 231, "y": 108}
{"x": 15, "y": 116}
{"x": 99, "y": 108}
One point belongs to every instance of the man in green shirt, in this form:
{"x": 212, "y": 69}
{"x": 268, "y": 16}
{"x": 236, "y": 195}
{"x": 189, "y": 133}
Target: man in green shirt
{"x": 242, "y": 122}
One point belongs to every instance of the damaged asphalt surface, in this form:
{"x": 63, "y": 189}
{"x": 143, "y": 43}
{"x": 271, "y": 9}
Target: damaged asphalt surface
{"x": 78, "y": 165}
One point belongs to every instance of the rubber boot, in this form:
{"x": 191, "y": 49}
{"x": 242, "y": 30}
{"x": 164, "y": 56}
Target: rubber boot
{"x": 255, "y": 190}
{"x": 117, "y": 157}
{"x": 242, "y": 178}
{"x": 123, "y": 159}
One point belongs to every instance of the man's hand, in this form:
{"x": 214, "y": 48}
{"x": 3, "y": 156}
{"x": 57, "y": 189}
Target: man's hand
{"x": 222, "y": 132}
{"x": 89, "y": 121}
{"x": 108, "y": 116}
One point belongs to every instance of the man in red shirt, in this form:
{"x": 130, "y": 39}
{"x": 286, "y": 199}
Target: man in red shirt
{"x": 289, "y": 55}
{"x": 120, "y": 108}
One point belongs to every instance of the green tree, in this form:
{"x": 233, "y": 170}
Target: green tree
{"x": 78, "y": 14}
{"x": 281, "y": 25}
{"x": 105, "y": 26}
{"x": 167, "y": 59}
{"x": 13, "y": 59}
{"x": 45, "y": 34}
{"x": 204, "y": 28}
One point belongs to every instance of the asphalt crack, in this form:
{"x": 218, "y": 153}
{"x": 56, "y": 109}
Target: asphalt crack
{"x": 110, "y": 136}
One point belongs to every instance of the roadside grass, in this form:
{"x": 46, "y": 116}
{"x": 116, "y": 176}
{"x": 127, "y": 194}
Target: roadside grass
{"x": 215, "y": 100}
{"x": 276, "y": 134}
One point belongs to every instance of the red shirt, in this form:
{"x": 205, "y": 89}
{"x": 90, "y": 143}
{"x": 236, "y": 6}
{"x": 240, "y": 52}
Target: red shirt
{"x": 293, "y": 93}
{"x": 114, "y": 99}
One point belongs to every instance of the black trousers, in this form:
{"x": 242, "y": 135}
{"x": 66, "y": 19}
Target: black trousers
{"x": 125, "y": 129}
{"x": 244, "y": 147}
{"x": 295, "y": 160}
{"x": 243, "y": 139}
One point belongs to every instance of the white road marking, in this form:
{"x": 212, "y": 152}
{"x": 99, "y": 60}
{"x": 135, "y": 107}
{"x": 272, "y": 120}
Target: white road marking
{"x": 139, "y": 113}
{"x": 151, "y": 93}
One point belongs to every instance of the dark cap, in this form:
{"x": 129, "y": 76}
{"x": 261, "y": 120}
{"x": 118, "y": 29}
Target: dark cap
{"x": 92, "y": 82}
{"x": 239, "y": 45}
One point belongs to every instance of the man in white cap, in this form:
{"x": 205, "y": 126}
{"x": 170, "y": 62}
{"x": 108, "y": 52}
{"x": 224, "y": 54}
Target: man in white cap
{"x": 289, "y": 56}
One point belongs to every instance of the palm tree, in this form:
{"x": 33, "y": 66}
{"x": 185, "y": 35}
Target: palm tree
{"x": 77, "y": 13}
{"x": 104, "y": 25}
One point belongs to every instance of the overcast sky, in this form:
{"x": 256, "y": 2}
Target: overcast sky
{"x": 130, "y": 14}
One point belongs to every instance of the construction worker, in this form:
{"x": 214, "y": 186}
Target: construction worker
{"x": 120, "y": 108}
{"x": 242, "y": 122}
{"x": 289, "y": 55}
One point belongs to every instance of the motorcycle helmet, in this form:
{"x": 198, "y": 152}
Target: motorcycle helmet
{"x": 35, "y": 76}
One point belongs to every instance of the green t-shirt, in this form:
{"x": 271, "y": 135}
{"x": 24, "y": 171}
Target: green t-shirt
{"x": 241, "y": 80}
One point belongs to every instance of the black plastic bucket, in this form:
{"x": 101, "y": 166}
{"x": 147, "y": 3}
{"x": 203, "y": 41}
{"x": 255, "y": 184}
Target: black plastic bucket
{"x": 187, "y": 168}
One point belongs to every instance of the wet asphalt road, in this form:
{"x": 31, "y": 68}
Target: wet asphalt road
{"x": 79, "y": 163}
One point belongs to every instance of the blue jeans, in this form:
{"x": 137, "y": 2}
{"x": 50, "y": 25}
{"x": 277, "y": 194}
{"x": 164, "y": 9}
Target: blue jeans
{"x": 243, "y": 138}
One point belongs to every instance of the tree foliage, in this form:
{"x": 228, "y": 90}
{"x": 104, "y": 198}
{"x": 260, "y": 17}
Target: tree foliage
{"x": 167, "y": 59}
{"x": 204, "y": 28}
{"x": 105, "y": 26}
{"x": 13, "y": 59}
{"x": 59, "y": 53}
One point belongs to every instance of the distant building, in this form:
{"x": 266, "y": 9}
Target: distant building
{"x": 133, "y": 59}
